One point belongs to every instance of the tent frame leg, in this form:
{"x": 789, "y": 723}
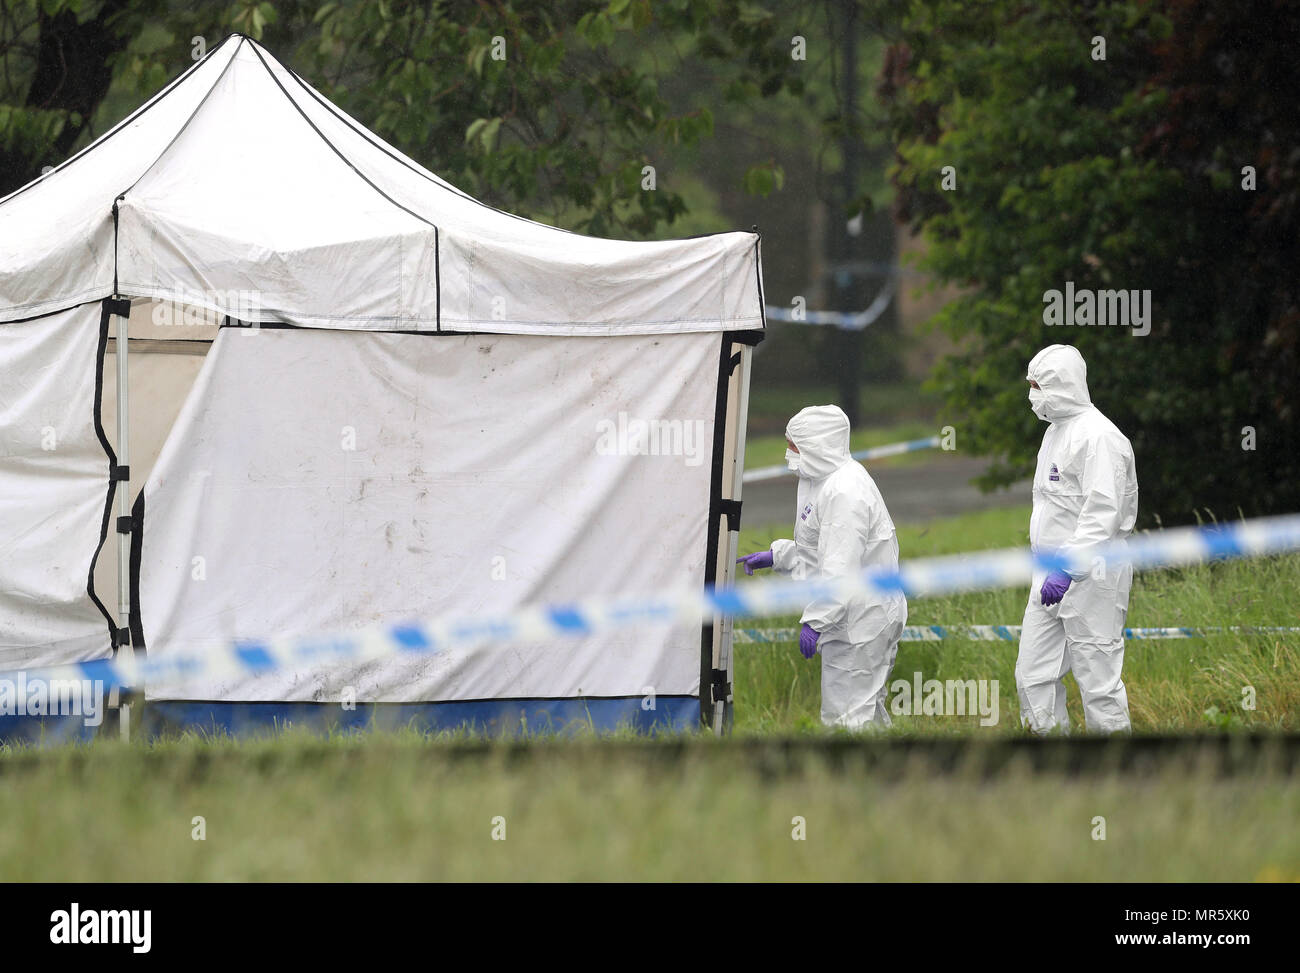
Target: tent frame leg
{"x": 724, "y": 658}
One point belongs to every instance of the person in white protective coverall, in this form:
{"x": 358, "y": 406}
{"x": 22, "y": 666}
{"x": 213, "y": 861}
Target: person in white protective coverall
{"x": 841, "y": 527}
{"x": 1085, "y": 495}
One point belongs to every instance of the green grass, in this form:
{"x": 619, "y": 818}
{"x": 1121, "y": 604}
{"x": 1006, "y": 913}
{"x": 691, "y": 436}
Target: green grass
{"x": 1181, "y": 685}
{"x": 404, "y": 808}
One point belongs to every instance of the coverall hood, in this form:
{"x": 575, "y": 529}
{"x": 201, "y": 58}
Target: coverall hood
{"x": 822, "y": 434}
{"x": 1062, "y": 376}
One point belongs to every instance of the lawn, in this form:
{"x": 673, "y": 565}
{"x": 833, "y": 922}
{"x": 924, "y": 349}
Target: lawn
{"x": 780, "y": 800}
{"x": 1184, "y": 685}
{"x": 406, "y": 808}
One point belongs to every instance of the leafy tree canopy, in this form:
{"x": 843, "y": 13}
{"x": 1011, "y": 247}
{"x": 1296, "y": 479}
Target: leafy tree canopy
{"x": 1123, "y": 173}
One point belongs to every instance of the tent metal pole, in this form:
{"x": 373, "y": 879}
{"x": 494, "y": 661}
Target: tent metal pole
{"x": 724, "y": 710}
{"x": 123, "y": 508}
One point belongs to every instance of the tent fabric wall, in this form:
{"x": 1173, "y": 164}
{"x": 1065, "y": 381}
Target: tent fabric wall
{"x": 54, "y": 489}
{"x": 489, "y": 471}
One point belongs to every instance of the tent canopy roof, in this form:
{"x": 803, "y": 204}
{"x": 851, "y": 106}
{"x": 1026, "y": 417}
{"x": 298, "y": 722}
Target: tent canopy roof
{"x": 241, "y": 189}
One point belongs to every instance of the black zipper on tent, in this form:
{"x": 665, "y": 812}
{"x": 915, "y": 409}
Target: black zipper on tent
{"x": 137, "y": 545}
{"x": 437, "y": 278}
{"x": 115, "y": 202}
{"x": 104, "y": 314}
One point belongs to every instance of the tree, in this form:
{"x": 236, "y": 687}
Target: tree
{"x": 541, "y": 108}
{"x": 57, "y": 61}
{"x": 1113, "y": 174}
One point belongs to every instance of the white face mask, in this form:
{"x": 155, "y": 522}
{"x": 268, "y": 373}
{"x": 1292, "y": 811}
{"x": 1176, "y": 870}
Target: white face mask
{"x": 792, "y": 460}
{"x": 1038, "y": 402}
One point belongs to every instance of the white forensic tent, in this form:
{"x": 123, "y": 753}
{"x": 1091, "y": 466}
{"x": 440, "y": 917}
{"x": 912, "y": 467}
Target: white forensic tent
{"x": 416, "y": 405}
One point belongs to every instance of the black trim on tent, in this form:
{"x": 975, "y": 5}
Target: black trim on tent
{"x": 695, "y": 236}
{"x": 115, "y": 261}
{"x": 104, "y": 314}
{"x": 167, "y": 148}
{"x": 237, "y": 324}
{"x": 715, "y": 513}
{"x": 137, "y": 544}
{"x": 120, "y": 126}
{"x": 335, "y": 149}
{"x": 437, "y": 278}
{"x": 366, "y": 135}
{"x": 417, "y": 702}
{"x": 758, "y": 277}
{"x": 751, "y": 337}
{"x": 50, "y": 314}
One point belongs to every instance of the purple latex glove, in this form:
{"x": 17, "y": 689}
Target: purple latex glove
{"x": 763, "y": 559}
{"x": 1054, "y": 586}
{"x": 808, "y": 637}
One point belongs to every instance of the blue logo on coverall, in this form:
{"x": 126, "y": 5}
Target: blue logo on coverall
{"x": 1054, "y": 474}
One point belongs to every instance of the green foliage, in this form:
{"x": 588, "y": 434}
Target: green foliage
{"x": 763, "y": 179}
{"x": 57, "y": 59}
{"x": 546, "y": 110}
{"x": 550, "y": 110}
{"x": 1112, "y": 174}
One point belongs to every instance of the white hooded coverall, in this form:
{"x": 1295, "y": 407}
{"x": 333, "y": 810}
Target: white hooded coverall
{"x": 1085, "y": 495}
{"x": 842, "y": 527}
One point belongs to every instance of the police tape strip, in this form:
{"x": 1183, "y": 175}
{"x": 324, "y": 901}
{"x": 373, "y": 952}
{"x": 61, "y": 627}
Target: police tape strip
{"x": 875, "y": 452}
{"x": 848, "y": 320}
{"x": 1010, "y": 633}
{"x": 756, "y": 597}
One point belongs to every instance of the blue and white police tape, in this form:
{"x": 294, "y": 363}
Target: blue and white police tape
{"x": 874, "y": 452}
{"x": 848, "y": 320}
{"x": 1011, "y": 633}
{"x": 688, "y": 607}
